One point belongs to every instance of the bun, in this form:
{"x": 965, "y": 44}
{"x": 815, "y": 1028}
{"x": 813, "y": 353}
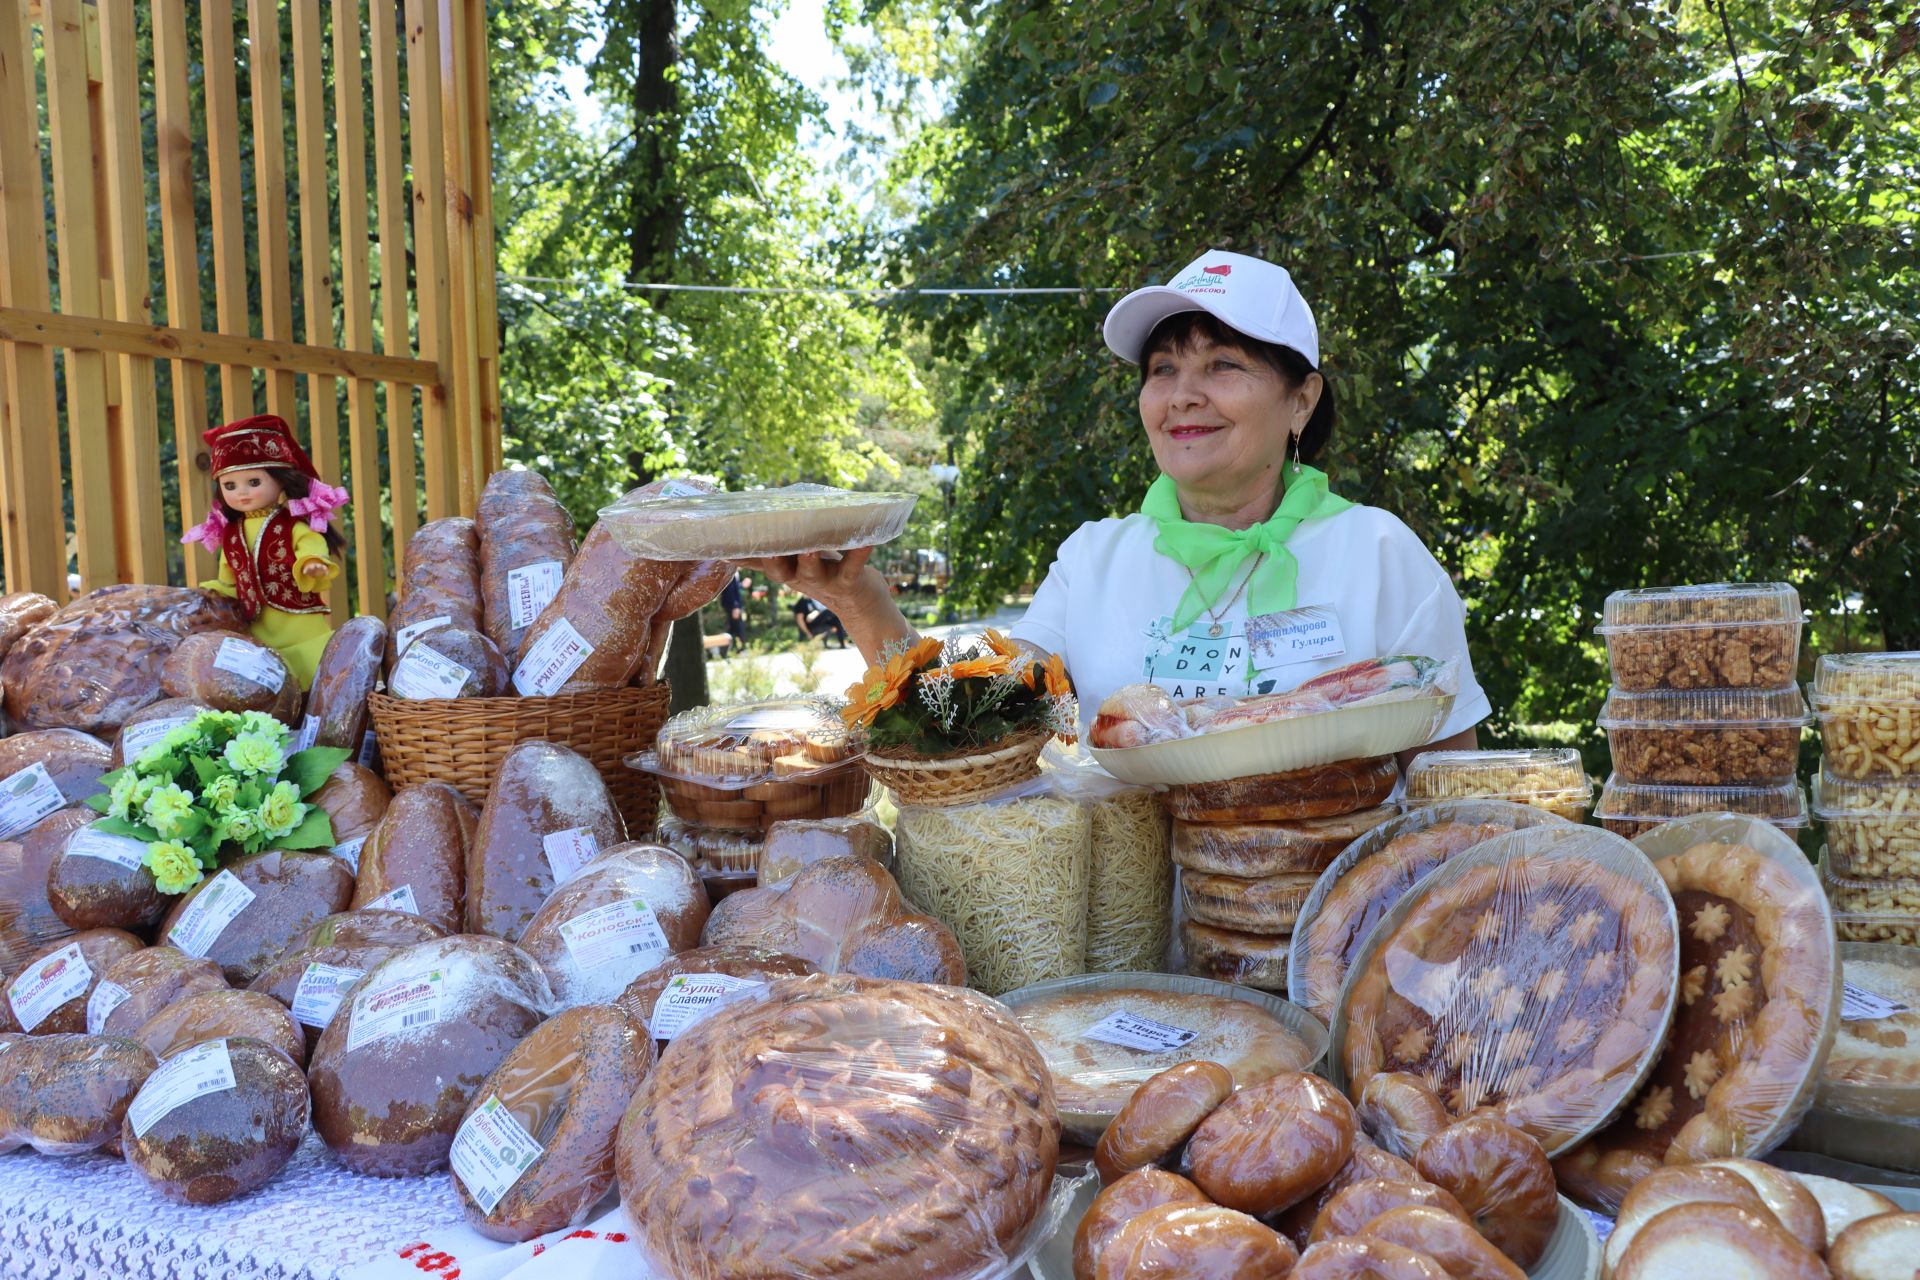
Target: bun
{"x": 348, "y": 671}
{"x": 618, "y": 916}
{"x": 641, "y": 999}
{"x": 421, "y": 843}
{"x": 1356, "y": 1259}
{"x": 1697, "y": 1240}
{"x": 291, "y": 891}
{"x": 1842, "y": 1204}
{"x": 219, "y": 1145}
{"x": 1447, "y": 1239}
{"x": 153, "y": 979}
{"x": 1353, "y": 1207}
{"x": 1323, "y": 791}
{"x": 64, "y": 1094}
{"x": 1268, "y": 906}
{"x": 1160, "y": 1116}
{"x": 1400, "y": 1112}
{"x": 1118, "y": 1204}
{"x": 1879, "y": 1248}
{"x": 1272, "y": 1144}
{"x": 1227, "y": 955}
{"x": 1501, "y": 1177}
{"x": 1367, "y": 1161}
{"x": 1791, "y": 1204}
{"x": 206, "y": 669}
{"x": 543, "y": 793}
{"x": 1255, "y": 849}
{"x": 213, "y": 1015}
{"x": 1196, "y": 1241}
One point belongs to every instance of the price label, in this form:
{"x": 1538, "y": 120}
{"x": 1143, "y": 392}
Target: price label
{"x": 369, "y": 757}
{"x": 406, "y": 635}
{"x": 122, "y": 851}
{"x": 569, "y": 850}
{"x": 1857, "y": 1004}
{"x": 317, "y": 998}
{"x": 681, "y": 489}
{"x": 304, "y": 738}
{"x": 45, "y": 985}
{"x": 250, "y": 661}
{"x": 1131, "y": 1031}
{"x": 425, "y": 672}
{"x": 400, "y": 899}
{"x": 136, "y": 739}
{"x": 625, "y": 931}
{"x": 490, "y": 1152}
{"x": 406, "y": 1005}
{"x": 530, "y": 589}
{"x": 348, "y": 851}
{"x": 551, "y": 660}
{"x": 690, "y": 997}
{"x": 106, "y": 997}
{"x": 211, "y": 910}
{"x": 192, "y": 1073}
{"x": 25, "y": 798}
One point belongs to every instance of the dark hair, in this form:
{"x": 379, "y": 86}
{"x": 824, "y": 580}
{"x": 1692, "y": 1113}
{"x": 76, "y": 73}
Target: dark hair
{"x": 1179, "y": 332}
{"x": 293, "y": 484}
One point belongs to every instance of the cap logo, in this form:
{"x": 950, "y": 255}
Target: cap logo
{"x": 1224, "y": 269}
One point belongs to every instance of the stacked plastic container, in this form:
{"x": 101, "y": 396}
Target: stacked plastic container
{"x": 1704, "y": 715}
{"x": 1550, "y": 778}
{"x": 1868, "y": 793}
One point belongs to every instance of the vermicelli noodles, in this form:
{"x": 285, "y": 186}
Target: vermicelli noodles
{"x": 1130, "y": 882}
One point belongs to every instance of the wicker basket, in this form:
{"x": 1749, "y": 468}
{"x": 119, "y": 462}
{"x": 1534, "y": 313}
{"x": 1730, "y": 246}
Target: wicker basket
{"x": 461, "y": 741}
{"x": 958, "y": 779}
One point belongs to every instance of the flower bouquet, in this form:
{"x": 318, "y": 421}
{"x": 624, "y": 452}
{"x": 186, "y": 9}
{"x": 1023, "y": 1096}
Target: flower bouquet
{"x": 221, "y": 782}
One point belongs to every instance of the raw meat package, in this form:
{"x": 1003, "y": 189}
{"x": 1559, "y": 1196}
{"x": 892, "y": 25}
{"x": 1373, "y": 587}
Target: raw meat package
{"x": 355, "y": 798}
{"x": 147, "y": 726}
{"x": 21, "y": 612}
{"x": 311, "y": 979}
{"x": 526, "y": 543}
{"x": 682, "y": 989}
{"x": 547, "y": 812}
{"x": 100, "y": 881}
{"x": 98, "y": 660}
{"x": 27, "y": 919}
{"x": 212, "y": 1015}
{"x": 44, "y": 770}
{"x": 416, "y": 858}
{"x": 244, "y": 916}
{"x": 65, "y": 1094}
{"x": 439, "y": 584}
{"x": 534, "y": 1151}
{"x": 48, "y": 994}
{"x": 232, "y": 673}
{"x": 349, "y": 670}
{"x": 421, "y": 1032}
{"x": 138, "y": 986}
{"x": 449, "y": 662}
{"x": 216, "y": 1122}
{"x": 613, "y": 919}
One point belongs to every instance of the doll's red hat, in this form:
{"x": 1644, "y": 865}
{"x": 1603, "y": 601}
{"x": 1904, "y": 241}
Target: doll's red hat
{"x": 263, "y": 440}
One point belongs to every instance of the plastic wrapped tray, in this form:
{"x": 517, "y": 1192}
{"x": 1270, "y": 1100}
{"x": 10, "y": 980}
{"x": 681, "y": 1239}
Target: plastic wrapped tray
{"x": 1880, "y": 899}
{"x": 1869, "y": 710}
{"x": 1705, "y": 737}
{"x": 753, "y": 764}
{"x": 1873, "y": 827}
{"x": 767, "y": 522}
{"x": 1281, "y": 746}
{"x": 1630, "y": 808}
{"x": 1716, "y": 635}
{"x": 1550, "y": 778}
{"x": 1873, "y": 1071}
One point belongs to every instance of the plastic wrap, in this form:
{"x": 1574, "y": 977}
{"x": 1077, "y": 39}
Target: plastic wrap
{"x": 1129, "y": 875}
{"x": 216, "y": 1123}
{"x": 1628, "y": 809}
{"x": 27, "y": 919}
{"x": 595, "y": 633}
{"x": 98, "y": 660}
{"x": 248, "y": 912}
{"x": 312, "y": 977}
{"x": 212, "y": 1015}
{"x": 1364, "y": 883}
{"x": 1008, "y": 875}
{"x": 232, "y": 673}
{"x": 719, "y": 851}
{"x": 1867, "y": 1107}
{"x": 1103, "y": 1034}
{"x": 613, "y": 919}
{"x": 439, "y": 584}
{"x": 1716, "y": 635}
{"x": 136, "y": 987}
{"x": 349, "y": 669}
{"x": 749, "y": 765}
{"x": 1870, "y": 899}
{"x": 697, "y": 982}
{"x": 1873, "y": 828}
{"x": 1550, "y": 778}
{"x": 1531, "y": 978}
{"x": 1255, "y": 849}
{"x": 547, "y": 812}
{"x": 794, "y": 844}
{"x": 838, "y": 1125}
{"x": 843, "y": 915}
{"x": 1141, "y": 715}
{"x": 1869, "y": 710}
{"x": 534, "y": 1151}
{"x": 148, "y": 725}
{"x": 354, "y": 798}
{"x": 1228, "y": 955}
{"x": 21, "y": 612}
{"x": 49, "y": 993}
{"x": 449, "y": 662}
{"x": 793, "y": 520}
{"x": 421, "y": 845}
{"x": 68, "y": 759}
{"x": 1268, "y": 906}
{"x": 1323, "y": 791}
{"x": 65, "y": 1094}
{"x": 422, "y": 1030}
{"x": 526, "y": 543}
{"x": 1705, "y": 737}
{"x": 99, "y": 881}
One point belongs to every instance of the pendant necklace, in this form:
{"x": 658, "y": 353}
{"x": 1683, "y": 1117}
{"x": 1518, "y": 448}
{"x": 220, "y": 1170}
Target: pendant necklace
{"x": 1216, "y": 627}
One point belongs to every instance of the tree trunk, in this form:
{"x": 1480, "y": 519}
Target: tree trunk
{"x": 686, "y": 665}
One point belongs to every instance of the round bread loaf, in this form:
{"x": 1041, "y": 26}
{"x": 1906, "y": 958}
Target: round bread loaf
{"x": 72, "y": 759}
{"x": 1228, "y": 955}
{"x": 138, "y": 986}
{"x": 1273, "y": 1143}
{"x": 354, "y": 798}
{"x": 546, "y": 803}
{"x": 1400, "y": 1112}
{"x": 27, "y": 919}
{"x": 207, "y": 668}
{"x": 1323, "y": 791}
{"x": 743, "y": 970}
{"x": 1253, "y": 849}
{"x": 213, "y": 1015}
{"x": 1352, "y": 1207}
{"x": 1120, "y": 1203}
{"x": 145, "y": 727}
{"x": 1502, "y": 1178}
{"x": 613, "y": 919}
{"x": 449, "y": 662}
{"x": 418, "y": 1034}
{"x": 1196, "y": 1240}
{"x": 914, "y": 1121}
{"x": 1668, "y": 1187}
{"x": 71, "y": 968}
{"x": 101, "y": 881}
{"x": 1160, "y": 1116}
{"x": 794, "y": 844}
{"x": 219, "y": 1144}
{"x": 1367, "y": 1161}
{"x": 349, "y": 669}
{"x": 311, "y": 980}
{"x": 21, "y": 612}
{"x": 421, "y": 844}
{"x": 567, "y": 1086}
{"x": 291, "y": 892}
{"x": 64, "y": 1094}
{"x": 1268, "y": 906}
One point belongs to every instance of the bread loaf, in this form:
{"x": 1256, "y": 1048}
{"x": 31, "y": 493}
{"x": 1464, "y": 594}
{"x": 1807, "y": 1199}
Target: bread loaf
{"x": 547, "y": 812}
{"x": 147, "y": 726}
{"x": 740, "y": 972}
{"x": 420, "y": 846}
{"x": 1197, "y": 1240}
{"x": 450, "y": 662}
{"x": 526, "y": 543}
{"x": 232, "y": 673}
{"x": 354, "y": 798}
{"x": 136, "y": 987}
{"x": 349, "y": 669}
{"x": 48, "y": 994}
{"x": 594, "y": 633}
{"x": 613, "y": 919}
{"x": 794, "y": 844}
{"x": 21, "y": 612}
{"x": 1446, "y": 1238}
{"x": 99, "y": 881}
{"x": 65, "y": 1094}
{"x": 311, "y": 979}
{"x": 1322, "y": 791}
{"x": 1351, "y": 1208}
{"x": 230, "y": 1136}
{"x": 212, "y": 1015}
{"x": 245, "y": 916}
{"x": 1160, "y": 1116}
{"x": 72, "y": 760}
{"x": 27, "y": 918}
{"x": 439, "y": 584}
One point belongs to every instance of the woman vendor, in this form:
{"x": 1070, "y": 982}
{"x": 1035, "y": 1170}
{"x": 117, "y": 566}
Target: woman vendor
{"x": 1241, "y": 573}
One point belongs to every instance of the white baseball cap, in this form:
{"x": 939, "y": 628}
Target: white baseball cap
{"x": 1248, "y": 295}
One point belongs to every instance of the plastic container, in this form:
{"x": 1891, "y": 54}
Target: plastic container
{"x": 713, "y": 848}
{"x": 1878, "y": 899}
{"x": 1550, "y": 778}
{"x": 1867, "y": 1107}
{"x": 1873, "y": 828}
{"x": 1629, "y": 809}
{"x": 1869, "y": 709}
{"x": 767, "y": 522}
{"x": 1705, "y": 738}
{"x": 1716, "y": 635}
{"x": 752, "y": 764}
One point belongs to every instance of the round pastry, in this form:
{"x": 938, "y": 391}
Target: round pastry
{"x": 1790, "y": 1203}
{"x": 1501, "y": 1177}
{"x": 1319, "y": 792}
{"x": 1353, "y": 1207}
{"x": 913, "y": 1123}
{"x": 50, "y": 993}
{"x": 1161, "y": 1115}
{"x": 1533, "y": 984}
{"x": 1399, "y": 1112}
{"x": 1093, "y": 1078}
{"x": 1880, "y": 1248}
{"x": 216, "y": 1145}
{"x": 101, "y": 881}
{"x": 1355, "y": 1259}
{"x": 1758, "y": 985}
{"x": 1367, "y": 1161}
{"x": 1447, "y": 1239}
{"x": 1272, "y": 1144}
{"x": 1668, "y": 1187}
{"x": 142, "y": 984}
{"x": 1227, "y": 955}
{"x": 1696, "y": 1240}
{"x": 747, "y": 970}
{"x": 1255, "y": 849}
{"x": 1120, "y": 1203}
{"x": 1193, "y": 1242}
{"x": 1879, "y": 1052}
{"x": 1268, "y": 906}
{"x": 1842, "y": 1204}
{"x": 213, "y": 1015}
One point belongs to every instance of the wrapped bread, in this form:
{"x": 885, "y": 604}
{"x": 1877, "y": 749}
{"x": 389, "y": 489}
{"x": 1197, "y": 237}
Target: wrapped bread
{"x": 613, "y": 919}
{"x": 547, "y": 812}
{"x": 349, "y": 670}
{"x": 49, "y": 993}
{"x": 212, "y": 1015}
{"x": 232, "y": 673}
{"x": 449, "y": 662}
{"x": 27, "y": 919}
{"x": 594, "y": 634}
{"x": 45, "y": 770}
{"x": 793, "y": 844}
{"x": 678, "y": 992}
{"x": 439, "y": 584}
{"x": 311, "y": 979}
{"x": 100, "y": 881}
{"x": 65, "y": 1094}
{"x": 1322, "y": 791}
{"x": 216, "y": 1122}
{"x": 245, "y": 916}
{"x": 354, "y": 799}
{"x": 416, "y": 857}
{"x": 138, "y": 986}
{"x": 526, "y": 543}
{"x": 1256, "y": 849}
{"x": 147, "y": 726}
{"x": 21, "y": 612}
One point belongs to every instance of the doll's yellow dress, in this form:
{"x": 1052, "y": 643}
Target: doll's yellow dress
{"x": 298, "y": 638}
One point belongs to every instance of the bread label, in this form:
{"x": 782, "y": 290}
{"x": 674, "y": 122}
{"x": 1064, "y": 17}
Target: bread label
{"x": 490, "y": 1152}
{"x": 551, "y": 660}
{"x": 1857, "y": 1004}
{"x": 406, "y": 1005}
{"x": 135, "y": 739}
{"x": 400, "y": 899}
{"x": 680, "y": 489}
{"x": 191, "y": 1073}
{"x": 249, "y": 661}
{"x": 531, "y": 588}
{"x": 405, "y": 636}
{"x": 425, "y": 672}
{"x": 369, "y": 757}
{"x": 1131, "y": 1031}
{"x": 1306, "y": 634}
{"x": 625, "y": 931}
{"x": 47, "y": 984}
{"x": 122, "y": 851}
{"x": 304, "y": 738}
{"x": 690, "y": 997}
{"x": 348, "y": 851}
{"x": 106, "y": 997}
{"x": 26, "y": 797}
{"x": 569, "y": 850}
{"x": 211, "y": 910}
{"x": 317, "y": 998}
{"x": 1602, "y": 1224}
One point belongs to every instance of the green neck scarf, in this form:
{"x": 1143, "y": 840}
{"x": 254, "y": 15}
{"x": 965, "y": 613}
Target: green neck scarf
{"x": 1214, "y": 554}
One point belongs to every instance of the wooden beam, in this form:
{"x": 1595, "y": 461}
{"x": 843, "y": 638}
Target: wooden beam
{"x": 229, "y": 214}
{"x": 462, "y": 331}
{"x": 389, "y": 176}
{"x": 270, "y": 194}
{"x": 363, "y": 427}
{"x": 431, "y": 290}
{"x": 487, "y": 310}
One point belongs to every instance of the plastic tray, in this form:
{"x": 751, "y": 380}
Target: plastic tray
{"x": 734, "y": 747}
{"x": 1869, "y": 710}
{"x": 1888, "y": 899}
{"x": 1843, "y": 680}
{"x": 1873, "y": 827}
{"x": 767, "y": 522}
{"x": 1632, "y": 808}
{"x": 1705, "y": 604}
{"x": 1866, "y": 1095}
{"x": 1739, "y": 635}
{"x": 1550, "y": 778}
{"x": 1705, "y": 737}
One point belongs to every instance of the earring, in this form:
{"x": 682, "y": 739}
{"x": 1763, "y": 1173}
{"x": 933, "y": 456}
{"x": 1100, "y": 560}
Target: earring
{"x": 1293, "y": 446}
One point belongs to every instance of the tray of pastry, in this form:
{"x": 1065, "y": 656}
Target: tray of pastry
{"x": 1280, "y": 746}
{"x": 1550, "y": 778}
{"x": 787, "y": 521}
{"x": 752, "y": 764}
{"x": 1867, "y": 1107}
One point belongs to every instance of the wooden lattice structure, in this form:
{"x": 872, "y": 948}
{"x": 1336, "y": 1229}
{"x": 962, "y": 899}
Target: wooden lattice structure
{"x": 160, "y": 129}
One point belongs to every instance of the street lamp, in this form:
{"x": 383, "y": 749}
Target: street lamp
{"x": 946, "y": 475}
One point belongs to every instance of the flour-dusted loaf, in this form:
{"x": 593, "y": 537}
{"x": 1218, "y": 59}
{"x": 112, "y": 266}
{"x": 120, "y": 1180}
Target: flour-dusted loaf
{"x": 420, "y": 845}
{"x": 526, "y": 543}
{"x": 547, "y": 812}
{"x": 230, "y": 672}
{"x": 219, "y": 1144}
{"x": 291, "y": 891}
{"x": 618, "y": 916}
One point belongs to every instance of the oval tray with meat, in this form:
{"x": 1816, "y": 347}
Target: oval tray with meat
{"x": 245, "y": 916}
{"x": 547, "y": 813}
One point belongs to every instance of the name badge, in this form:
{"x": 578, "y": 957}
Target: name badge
{"x": 1296, "y": 635}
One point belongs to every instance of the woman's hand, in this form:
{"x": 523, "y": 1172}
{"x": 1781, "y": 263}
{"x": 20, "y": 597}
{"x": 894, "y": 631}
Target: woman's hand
{"x": 847, "y": 585}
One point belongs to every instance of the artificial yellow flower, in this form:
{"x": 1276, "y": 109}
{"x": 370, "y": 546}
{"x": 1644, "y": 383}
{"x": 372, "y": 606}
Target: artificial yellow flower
{"x": 971, "y": 668}
{"x": 1058, "y": 685}
{"x": 1001, "y": 645}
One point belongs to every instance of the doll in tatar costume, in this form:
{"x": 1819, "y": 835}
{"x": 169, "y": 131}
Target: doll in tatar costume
{"x": 270, "y": 527}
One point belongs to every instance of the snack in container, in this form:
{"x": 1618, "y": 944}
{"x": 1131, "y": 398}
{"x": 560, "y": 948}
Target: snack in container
{"x": 534, "y": 1151}
{"x": 1630, "y": 808}
{"x": 243, "y": 916}
{"x": 1102, "y": 1035}
{"x": 99, "y": 881}
{"x": 137, "y": 986}
{"x": 1530, "y": 979}
{"x": 1705, "y": 737}
{"x": 349, "y": 669}
{"x": 1269, "y": 905}
{"x": 716, "y": 851}
{"x": 49, "y": 993}
{"x": 1888, "y": 902}
{"x": 793, "y": 520}
{"x": 1873, "y": 827}
{"x": 752, "y": 764}
{"x": 1869, "y": 710}
{"x": 1129, "y": 876}
{"x": 217, "y": 1121}
{"x": 27, "y": 918}
{"x": 1715, "y": 635}
{"x": 65, "y": 1094}
{"x": 793, "y": 844}
{"x": 415, "y": 859}
{"x": 547, "y": 812}
{"x": 1867, "y": 1108}
{"x": 1364, "y": 883}
{"x": 616, "y": 917}
{"x": 1550, "y": 778}
{"x": 681, "y": 990}
{"x": 211, "y": 1015}
{"x": 1757, "y": 1003}
{"x": 1256, "y": 849}
{"x": 1229, "y": 955}
{"x": 315, "y": 975}
{"x": 944, "y": 1137}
